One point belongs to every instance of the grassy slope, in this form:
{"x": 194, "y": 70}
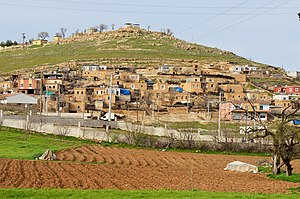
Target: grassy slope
{"x": 111, "y": 194}
{"x": 139, "y": 47}
{"x": 13, "y": 143}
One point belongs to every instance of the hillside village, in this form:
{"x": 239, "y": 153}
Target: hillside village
{"x": 133, "y": 113}
{"x": 175, "y": 91}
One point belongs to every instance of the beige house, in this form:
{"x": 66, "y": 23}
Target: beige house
{"x": 39, "y": 42}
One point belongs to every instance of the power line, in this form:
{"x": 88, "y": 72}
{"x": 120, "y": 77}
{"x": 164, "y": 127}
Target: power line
{"x": 153, "y": 5}
{"x": 130, "y": 12}
{"x": 247, "y": 19}
{"x": 211, "y": 18}
{"x": 235, "y": 19}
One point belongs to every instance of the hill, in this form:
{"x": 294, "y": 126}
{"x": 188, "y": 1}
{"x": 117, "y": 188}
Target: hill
{"x": 122, "y": 43}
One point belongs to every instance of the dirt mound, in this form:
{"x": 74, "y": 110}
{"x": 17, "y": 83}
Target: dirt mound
{"x": 118, "y": 168}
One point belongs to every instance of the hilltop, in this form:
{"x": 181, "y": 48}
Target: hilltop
{"x": 124, "y": 43}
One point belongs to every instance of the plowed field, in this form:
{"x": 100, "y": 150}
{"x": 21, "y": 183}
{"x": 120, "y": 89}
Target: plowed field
{"x": 118, "y": 168}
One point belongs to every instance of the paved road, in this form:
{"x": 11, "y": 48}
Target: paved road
{"x": 63, "y": 121}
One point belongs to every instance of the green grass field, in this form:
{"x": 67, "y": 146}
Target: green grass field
{"x": 116, "y": 194}
{"x": 207, "y": 126}
{"x": 14, "y": 144}
{"x": 139, "y": 47}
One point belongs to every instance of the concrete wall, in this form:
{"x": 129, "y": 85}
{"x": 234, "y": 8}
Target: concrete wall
{"x": 100, "y": 134}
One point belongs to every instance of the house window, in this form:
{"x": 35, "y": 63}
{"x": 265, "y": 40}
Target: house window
{"x": 261, "y": 107}
{"x": 78, "y": 92}
{"x": 78, "y": 106}
{"x": 162, "y": 87}
{"x": 132, "y": 86}
{"x": 22, "y": 85}
{"x": 296, "y": 89}
{"x": 30, "y": 85}
{"x": 262, "y": 116}
{"x": 82, "y": 92}
{"x": 54, "y": 87}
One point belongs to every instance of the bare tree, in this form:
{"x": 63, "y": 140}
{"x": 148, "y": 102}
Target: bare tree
{"x": 113, "y": 26}
{"x": 77, "y": 31}
{"x": 285, "y": 137}
{"x": 43, "y": 35}
{"x": 23, "y": 38}
{"x": 63, "y": 130}
{"x": 58, "y": 34}
{"x": 169, "y": 32}
{"x": 102, "y": 27}
{"x": 63, "y": 32}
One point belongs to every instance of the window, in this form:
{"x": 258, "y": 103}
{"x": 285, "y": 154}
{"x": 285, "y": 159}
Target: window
{"x": 296, "y": 89}
{"x": 262, "y": 116}
{"x": 22, "y": 85}
{"x": 162, "y": 87}
{"x": 30, "y": 85}
{"x": 261, "y": 107}
{"x": 82, "y": 92}
{"x": 78, "y": 92}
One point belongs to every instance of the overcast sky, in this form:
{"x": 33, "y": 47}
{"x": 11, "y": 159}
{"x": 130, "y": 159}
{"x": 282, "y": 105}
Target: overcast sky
{"x": 266, "y": 31}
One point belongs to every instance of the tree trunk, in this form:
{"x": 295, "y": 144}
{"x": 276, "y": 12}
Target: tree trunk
{"x": 275, "y": 164}
{"x": 289, "y": 168}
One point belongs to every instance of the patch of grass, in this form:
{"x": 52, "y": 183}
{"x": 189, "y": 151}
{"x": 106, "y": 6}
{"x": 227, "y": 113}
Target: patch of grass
{"x": 19, "y": 144}
{"x": 265, "y": 169}
{"x": 138, "y": 47}
{"x": 205, "y": 126}
{"x": 124, "y": 145}
{"x": 295, "y": 177}
{"x": 116, "y": 194}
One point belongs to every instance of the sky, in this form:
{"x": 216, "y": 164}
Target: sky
{"x": 266, "y": 31}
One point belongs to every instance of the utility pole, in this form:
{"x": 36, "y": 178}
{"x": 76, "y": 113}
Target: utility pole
{"x": 152, "y": 113}
{"x": 46, "y": 101}
{"x": 219, "y": 119}
{"x": 23, "y": 38}
{"x": 58, "y": 99}
{"x": 110, "y": 96}
{"x": 41, "y": 94}
{"x": 208, "y": 116}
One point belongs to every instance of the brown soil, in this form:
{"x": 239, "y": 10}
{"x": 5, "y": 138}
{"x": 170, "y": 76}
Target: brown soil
{"x": 137, "y": 169}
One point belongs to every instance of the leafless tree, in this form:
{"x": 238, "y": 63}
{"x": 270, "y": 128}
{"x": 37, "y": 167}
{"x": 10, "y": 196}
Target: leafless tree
{"x": 42, "y": 121}
{"x": 77, "y": 32}
{"x": 169, "y": 32}
{"x": 285, "y": 137}
{"x": 102, "y": 27}
{"x": 58, "y": 34}
{"x": 43, "y": 35}
{"x": 63, "y": 130}
{"x": 113, "y": 26}
{"x": 63, "y": 32}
